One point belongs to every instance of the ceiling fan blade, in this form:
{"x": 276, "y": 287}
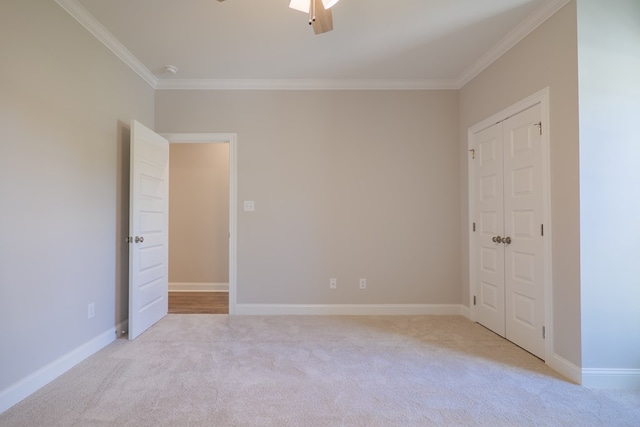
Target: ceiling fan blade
{"x": 324, "y": 19}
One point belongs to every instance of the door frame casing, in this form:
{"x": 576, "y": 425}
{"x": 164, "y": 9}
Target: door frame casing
{"x": 232, "y": 140}
{"x": 541, "y": 97}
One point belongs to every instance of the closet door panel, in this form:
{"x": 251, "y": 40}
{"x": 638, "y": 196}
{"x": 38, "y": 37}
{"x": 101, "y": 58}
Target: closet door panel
{"x": 489, "y": 212}
{"x": 523, "y": 214}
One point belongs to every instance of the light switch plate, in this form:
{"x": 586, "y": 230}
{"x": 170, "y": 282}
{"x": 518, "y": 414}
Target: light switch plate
{"x": 249, "y": 206}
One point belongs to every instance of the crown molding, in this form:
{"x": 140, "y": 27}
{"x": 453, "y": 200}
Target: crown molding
{"x": 532, "y": 22}
{"x": 511, "y": 39}
{"x": 87, "y": 20}
{"x": 304, "y": 84}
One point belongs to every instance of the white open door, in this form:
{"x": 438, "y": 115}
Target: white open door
{"x": 148, "y": 229}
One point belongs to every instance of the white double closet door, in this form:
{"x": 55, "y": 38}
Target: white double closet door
{"x": 507, "y": 246}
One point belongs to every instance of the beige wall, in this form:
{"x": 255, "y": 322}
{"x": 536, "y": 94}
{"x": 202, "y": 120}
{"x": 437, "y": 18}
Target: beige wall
{"x": 199, "y": 213}
{"x": 547, "y": 57}
{"x": 65, "y": 107}
{"x": 347, "y": 184}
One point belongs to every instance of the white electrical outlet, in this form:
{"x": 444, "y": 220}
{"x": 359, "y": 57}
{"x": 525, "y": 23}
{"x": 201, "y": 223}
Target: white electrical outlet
{"x": 91, "y": 310}
{"x": 363, "y": 283}
{"x": 249, "y": 206}
{"x": 333, "y": 283}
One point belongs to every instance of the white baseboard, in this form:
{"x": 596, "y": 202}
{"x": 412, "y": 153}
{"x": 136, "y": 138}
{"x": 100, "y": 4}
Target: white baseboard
{"x": 198, "y": 287}
{"x": 348, "y": 309}
{"x": 465, "y": 311}
{"x": 628, "y": 379}
{"x": 43, "y": 376}
{"x": 565, "y": 368}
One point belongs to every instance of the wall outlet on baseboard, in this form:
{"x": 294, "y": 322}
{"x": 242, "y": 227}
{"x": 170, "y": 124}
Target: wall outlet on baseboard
{"x": 363, "y": 283}
{"x": 91, "y": 310}
{"x": 333, "y": 283}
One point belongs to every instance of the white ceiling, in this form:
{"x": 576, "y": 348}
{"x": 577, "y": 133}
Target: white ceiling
{"x": 263, "y": 43}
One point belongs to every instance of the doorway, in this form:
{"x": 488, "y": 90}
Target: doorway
{"x": 202, "y": 249}
{"x": 509, "y": 210}
{"x": 198, "y": 228}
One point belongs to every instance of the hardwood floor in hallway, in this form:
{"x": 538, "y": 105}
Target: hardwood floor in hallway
{"x": 198, "y": 302}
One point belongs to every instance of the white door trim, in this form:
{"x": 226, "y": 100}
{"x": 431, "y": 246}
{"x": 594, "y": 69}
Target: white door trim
{"x": 541, "y": 97}
{"x": 232, "y": 139}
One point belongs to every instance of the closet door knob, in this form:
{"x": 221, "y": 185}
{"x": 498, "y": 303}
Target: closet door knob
{"x": 506, "y": 240}
{"x": 139, "y": 239}
{"x": 497, "y": 239}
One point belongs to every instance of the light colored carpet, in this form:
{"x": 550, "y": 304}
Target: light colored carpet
{"x": 216, "y": 370}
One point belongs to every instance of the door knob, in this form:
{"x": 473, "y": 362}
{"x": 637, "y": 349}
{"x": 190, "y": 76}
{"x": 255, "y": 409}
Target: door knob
{"x": 139, "y": 239}
{"x": 497, "y": 239}
{"x": 506, "y": 240}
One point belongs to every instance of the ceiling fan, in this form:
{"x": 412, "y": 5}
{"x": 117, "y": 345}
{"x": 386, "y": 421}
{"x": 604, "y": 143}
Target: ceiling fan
{"x": 320, "y": 17}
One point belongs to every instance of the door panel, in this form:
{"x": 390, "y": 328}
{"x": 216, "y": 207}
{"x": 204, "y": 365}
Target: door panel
{"x": 490, "y": 217}
{"x": 525, "y": 310}
{"x": 523, "y": 224}
{"x": 148, "y": 219}
{"x": 523, "y": 203}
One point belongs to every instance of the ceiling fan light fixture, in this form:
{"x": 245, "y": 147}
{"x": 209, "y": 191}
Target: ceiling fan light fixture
{"x": 305, "y": 5}
{"x": 328, "y": 4}
{"x": 320, "y": 17}
{"x": 301, "y": 5}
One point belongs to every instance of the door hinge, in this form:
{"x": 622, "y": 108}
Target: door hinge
{"x": 542, "y": 229}
{"x": 544, "y": 333}
{"x": 539, "y": 126}
{"x": 474, "y": 300}
{"x": 474, "y": 226}
{"x": 473, "y": 153}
